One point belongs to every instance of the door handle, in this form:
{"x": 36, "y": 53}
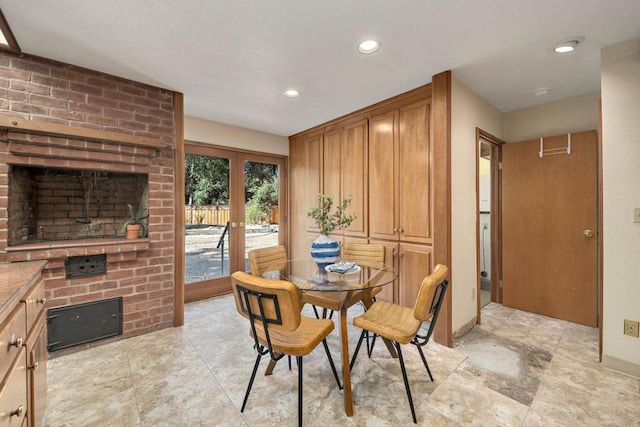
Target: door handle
{"x": 588, "y": 233}
{"x": 234, "y": 225}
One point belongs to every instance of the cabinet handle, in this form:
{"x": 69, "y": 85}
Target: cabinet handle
{"x": 401, "y": 254}
{"x": 400, "y": 230}
{"x": 41, "y": 301}
{"x": 394, "y": 253}
{"x": 17, "y": 342}
{"x": 17, "y": 412}
{"x": 34, "y": 366}
{"x": 395, "y": 230}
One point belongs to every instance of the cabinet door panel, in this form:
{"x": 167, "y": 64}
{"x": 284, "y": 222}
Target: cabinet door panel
{"x": 389, "y": 292}
{"x": 38, "y": 376}
{"x": 415, "y": 265}
{"x": 414, "y": 183}
{"x": 332, "y": 165}
{"x": 313, "y": 177}
{"x": 354, "y": 175}
{"x": 382, "y": 176}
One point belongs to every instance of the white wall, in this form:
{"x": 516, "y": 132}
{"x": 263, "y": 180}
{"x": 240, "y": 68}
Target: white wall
{"x": 201, "y": 130}
{"x": 621, "y": 192}
{"x": 468, "y": 111}
{"x": 573, "y": 114}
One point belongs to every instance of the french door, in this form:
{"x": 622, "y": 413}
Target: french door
{"x": 234, "y": 202}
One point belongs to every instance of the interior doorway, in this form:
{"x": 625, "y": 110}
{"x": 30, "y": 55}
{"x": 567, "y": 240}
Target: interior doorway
{"x": 234, "y": 202}
{"x": 489, "y": 260}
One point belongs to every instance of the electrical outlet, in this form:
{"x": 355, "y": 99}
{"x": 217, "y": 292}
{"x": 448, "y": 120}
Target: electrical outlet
{"x": 631, "y": 327}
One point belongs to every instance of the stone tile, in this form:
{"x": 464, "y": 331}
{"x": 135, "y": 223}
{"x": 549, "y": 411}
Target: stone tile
{"x": 506, "y": 366}
{"x": 198, "y": 374}
{"x": 93, "y": 408}
{"x": 470, "y": 404}
{"x": 561, "y": 404}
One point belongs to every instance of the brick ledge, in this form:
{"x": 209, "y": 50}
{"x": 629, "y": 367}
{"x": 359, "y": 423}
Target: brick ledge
{"x": 57, "y": 250}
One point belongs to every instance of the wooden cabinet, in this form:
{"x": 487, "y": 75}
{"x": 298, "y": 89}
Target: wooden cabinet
{"x": 36, "y": 344}
{"x": 399, "y": 175}
{"x": 37, "y": 371}
{"x": 344, "y": 172}
{"x": 382, "y": 157}
{"x": 22, "y": 344}
{"x": 304, "y": 186}
{"x": 412, "y": 262}
{"x": 400, "y": 195}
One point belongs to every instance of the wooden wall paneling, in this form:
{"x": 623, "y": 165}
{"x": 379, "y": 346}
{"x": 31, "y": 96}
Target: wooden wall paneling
{"x": 313, "y": 169}
{"x": 441, "y": 191}
{"x": 179, "y": 267}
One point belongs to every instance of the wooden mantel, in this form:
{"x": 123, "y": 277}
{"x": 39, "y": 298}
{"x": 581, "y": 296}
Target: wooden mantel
{"x": 20, "y": 124}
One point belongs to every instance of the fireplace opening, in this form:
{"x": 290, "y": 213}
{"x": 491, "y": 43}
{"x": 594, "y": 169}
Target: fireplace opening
{"x": 49, "y": 204}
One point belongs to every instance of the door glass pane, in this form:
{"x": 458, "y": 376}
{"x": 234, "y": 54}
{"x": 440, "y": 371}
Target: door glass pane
{"x": 261, "y": 197}
{"x": 207, "y": 201}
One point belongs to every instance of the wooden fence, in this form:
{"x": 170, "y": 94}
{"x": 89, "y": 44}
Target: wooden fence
{"x": 215, "y": 215}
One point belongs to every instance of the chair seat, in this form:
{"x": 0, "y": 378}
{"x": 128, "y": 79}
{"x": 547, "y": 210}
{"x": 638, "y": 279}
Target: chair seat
{"x": 301, "y": 341}
{"x": 391, "y": 321}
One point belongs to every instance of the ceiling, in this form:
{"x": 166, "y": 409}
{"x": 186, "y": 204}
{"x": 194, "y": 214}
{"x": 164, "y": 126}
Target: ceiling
{"x": 234, "y": 59}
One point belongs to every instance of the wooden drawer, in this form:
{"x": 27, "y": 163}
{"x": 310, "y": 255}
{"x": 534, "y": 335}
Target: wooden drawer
{"x": 13, "y": 334}
{"x": 34, "y": 301}
{"x": 13, "y": 393}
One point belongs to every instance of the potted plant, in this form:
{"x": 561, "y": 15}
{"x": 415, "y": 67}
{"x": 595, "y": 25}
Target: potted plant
{"x": 135, "y": 223}
{"x": 325, "y": 250}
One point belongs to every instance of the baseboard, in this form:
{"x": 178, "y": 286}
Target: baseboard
{"x": 621, "y": 366}
{"x": 465, "y": 328}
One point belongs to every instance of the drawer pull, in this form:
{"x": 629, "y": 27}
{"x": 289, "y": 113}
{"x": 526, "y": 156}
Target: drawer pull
{"x": 17, "y": 412}
{"x": 34, "y": 366}
{"x": 41, "y": 301}
{"x": 17, "y": 342}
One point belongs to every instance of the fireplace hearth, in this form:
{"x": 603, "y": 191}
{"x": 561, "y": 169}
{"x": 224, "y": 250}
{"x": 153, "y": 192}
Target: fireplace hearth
{"x": 49, "y": 204}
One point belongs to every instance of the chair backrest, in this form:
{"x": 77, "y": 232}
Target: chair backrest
{"x": 268, "y": 304}
{"x": 260, "y": 259}
{"x": 430, "y": 298}
{"x": 364, "y": 253}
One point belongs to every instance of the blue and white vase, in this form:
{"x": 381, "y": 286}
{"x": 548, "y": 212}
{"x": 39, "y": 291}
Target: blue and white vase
{"x": 324, "y": 251}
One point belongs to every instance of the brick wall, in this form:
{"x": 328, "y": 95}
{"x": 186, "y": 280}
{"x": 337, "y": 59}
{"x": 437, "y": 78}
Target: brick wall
{"x": 47, "y": 91}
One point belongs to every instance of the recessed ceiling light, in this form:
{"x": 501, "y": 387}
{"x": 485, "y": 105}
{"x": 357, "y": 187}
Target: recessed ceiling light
{"x": 567, "y": 45}
{"x": 291, "y": 93}
{"x": 368, "y": 46}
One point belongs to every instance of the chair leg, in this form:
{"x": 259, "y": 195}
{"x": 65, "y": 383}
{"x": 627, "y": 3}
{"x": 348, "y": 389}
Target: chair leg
{"x": 299, "y": 360}
{"x": 424, "y": 360}
{"x": 315, "y": 310}
{"x": 333, "y": 366}
{"x": 289, "y": 357}
{"x": 253, "y": 376}
{"x": 355, "y": 353}
{"x": 406, "y": 381}
{"x": 331, "y": 315}
{"x": 373, "y": 342}
{"x": 324, "y": 313}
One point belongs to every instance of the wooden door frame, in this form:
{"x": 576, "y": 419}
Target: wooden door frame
{"x": 496, "y": 218}
{"x": 211, "y": 287}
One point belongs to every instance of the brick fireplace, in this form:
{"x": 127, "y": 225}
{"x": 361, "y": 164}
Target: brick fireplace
{"x": 64, "y": 194}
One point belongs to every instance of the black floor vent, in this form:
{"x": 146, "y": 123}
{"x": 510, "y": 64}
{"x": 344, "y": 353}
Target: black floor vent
{"x": 86, "y": 265}
{"x": 81, "y": 323}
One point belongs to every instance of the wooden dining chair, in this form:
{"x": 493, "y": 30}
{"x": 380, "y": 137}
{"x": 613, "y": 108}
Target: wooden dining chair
{"x": 402, "y": 325}
{"x": 362, "y": 253}
{"x": 273, "y": 308}
{"x": 262, "y": 258}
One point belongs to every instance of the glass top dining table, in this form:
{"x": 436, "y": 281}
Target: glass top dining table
{"x": 354, "y": 284}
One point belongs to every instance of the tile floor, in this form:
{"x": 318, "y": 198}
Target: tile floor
{"x": 517, "y": 369}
